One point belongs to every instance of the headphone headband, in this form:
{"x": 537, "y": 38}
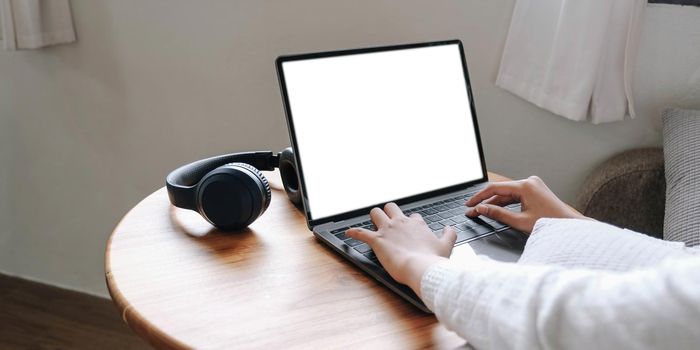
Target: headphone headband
{"x": 182, "y": 182}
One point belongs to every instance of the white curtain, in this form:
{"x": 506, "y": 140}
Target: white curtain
{"x": 573, "y": 57}
{"x": 31, "y": 24}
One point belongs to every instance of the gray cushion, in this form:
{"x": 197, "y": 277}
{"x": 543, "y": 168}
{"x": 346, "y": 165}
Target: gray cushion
{"x": 681, "y": 129}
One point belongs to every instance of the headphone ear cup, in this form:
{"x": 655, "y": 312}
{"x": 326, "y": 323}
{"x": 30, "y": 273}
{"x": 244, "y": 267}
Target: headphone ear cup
{"x": 267, "y": 193}
{"x": 290, "y": 180}
{"x": 232, "y": 196}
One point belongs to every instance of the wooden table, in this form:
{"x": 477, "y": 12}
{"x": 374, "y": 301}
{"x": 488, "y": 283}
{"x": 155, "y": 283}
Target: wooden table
{"x": 179, "y": 283}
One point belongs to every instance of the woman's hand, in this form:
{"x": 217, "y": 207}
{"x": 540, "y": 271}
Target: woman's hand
{"x": 535, "y": 198}
{"x": 405, "y": 246}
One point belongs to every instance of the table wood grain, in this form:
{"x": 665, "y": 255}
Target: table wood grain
{"x": 179, "y": 283}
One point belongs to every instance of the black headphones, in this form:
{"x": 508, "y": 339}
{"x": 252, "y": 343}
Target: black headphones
{"x": 229, "y": 190}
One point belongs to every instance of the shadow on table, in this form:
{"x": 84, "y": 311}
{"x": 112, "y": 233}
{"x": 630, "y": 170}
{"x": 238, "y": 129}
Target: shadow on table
{"x": 232, "y": 246}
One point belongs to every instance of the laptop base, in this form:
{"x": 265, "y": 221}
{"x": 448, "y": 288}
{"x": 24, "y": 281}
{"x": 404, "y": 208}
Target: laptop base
{"x": 506, "y": 245}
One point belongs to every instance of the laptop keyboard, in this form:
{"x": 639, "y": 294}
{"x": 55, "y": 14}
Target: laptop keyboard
{"x": 448, "y": 212}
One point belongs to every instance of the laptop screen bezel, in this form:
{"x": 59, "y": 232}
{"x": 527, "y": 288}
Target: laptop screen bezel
{"x": 400, "y": 201}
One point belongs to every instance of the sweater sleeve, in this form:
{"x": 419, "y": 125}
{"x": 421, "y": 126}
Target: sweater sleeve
{"x": 630, "y": 297}
{"x": 496, "y": 305}
{"x": 577, "y": 243}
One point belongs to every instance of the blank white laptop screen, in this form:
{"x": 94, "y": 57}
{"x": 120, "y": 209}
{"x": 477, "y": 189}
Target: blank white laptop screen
{"x": 376, "y": 127}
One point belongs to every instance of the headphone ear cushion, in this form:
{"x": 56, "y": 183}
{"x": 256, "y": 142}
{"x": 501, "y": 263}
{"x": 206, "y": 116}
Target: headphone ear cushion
{"x": 290, "y": 180}
{"x": 232, "y": 196}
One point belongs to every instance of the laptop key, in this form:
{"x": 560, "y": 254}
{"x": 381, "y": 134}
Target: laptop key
{"x": 486, "y": 219}
{"x": 465, "y": 235}
{"x": 339, "y": 230}
{"x": 363, "y": 248}
{"x": 370, "y": 255}
{"x": 496, "y": 224}
{"x": 447, "y": 222}
{"x": 480, "y": 229}
{"x": 458, "y": 211}
{"x": 432, "y": 218}
{"x": 452, "y": 205}
{"x": 436, "y": 226}
{"x": 342, "y": 236}
{"x": 479, "y": 220}
{"x": 445, "y": 215}
{"x": 462, "y": 227}
{"x": 514, "y": 207}
{"x": 459, "y": 219}
{"x": 353, "y": 242}
{"x": 429, "y": 211}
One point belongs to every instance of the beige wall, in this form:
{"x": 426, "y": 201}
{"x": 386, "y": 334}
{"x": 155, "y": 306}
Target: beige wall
{"x": 6, "y": 177}
{"x": 89, "y": 129}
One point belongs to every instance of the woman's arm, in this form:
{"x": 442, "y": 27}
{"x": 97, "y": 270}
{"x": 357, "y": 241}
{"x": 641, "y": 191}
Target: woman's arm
{"x": 593, "y": 244}
{"x": 501, "y": 305}
{"x": 498, "y": 305}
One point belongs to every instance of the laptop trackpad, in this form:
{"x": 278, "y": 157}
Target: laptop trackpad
{"x": 503, "y": 246}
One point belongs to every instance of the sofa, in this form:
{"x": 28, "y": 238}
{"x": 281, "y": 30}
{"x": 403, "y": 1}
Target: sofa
{"x": 627, "y": 190}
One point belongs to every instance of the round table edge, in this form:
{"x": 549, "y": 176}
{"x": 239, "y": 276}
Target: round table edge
{"x": 139, "y": 324}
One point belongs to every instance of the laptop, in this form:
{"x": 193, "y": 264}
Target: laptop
{"x": 389, "y": 124}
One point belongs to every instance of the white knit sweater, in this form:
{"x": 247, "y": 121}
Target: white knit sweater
{"x": 580, "y": 284}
